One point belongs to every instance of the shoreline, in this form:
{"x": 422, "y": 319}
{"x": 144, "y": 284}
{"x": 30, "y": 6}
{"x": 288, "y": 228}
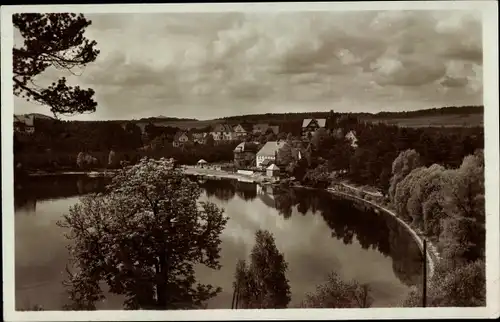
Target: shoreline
{"x": 211, "y": 173}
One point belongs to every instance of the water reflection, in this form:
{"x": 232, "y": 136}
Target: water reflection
{"x": 316, "y": 231}
{"x": 27, "y": 193}
{"x": 348, "y": 221}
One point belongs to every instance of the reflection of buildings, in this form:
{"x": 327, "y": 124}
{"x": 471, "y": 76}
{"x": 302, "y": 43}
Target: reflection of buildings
{"x": 266, "y": 195}
{"x": 266, "y": 189}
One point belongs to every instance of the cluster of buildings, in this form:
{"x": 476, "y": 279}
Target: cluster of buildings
{"x": 24, "y": 123}
{"x": 224, "y": 132}
{"x": 249, "y": 154}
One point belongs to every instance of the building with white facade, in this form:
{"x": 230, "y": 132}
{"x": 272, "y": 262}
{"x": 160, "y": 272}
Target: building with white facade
{"x": 268, "y": 152}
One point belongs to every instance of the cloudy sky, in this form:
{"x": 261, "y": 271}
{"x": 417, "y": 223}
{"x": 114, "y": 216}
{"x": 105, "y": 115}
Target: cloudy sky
{"x": 207, "y": 65}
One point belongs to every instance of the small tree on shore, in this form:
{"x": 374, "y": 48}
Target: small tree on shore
{"x": 263, "y": 284}
{"x": 143, "y": 239}
{"x": 336, "y": 293}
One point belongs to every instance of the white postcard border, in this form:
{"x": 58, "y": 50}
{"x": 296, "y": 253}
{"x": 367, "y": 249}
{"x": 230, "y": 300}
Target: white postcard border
{"x": 491, "y": 105}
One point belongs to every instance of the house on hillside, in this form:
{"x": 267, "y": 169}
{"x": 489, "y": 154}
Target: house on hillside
{"x": 268, "y": 152}
{"x": 273, "y": 128}
{"x": 223, "y": 132}
{"x": 351, "y": 136}
{"x": 242, "y": 130}
{"x": 244, "y": 154}
{"x": 264, "y": 128}
{"x": 259, "y": 128}
{"x": 180, "y": 139}
{"x": 309, "y": 126}
{"x": 199, "y": 138}
{"x": 24, "y": 124}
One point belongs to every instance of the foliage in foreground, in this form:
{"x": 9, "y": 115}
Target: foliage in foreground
{"x": 262, "y": 284}
{"x": 335, "y": 293}
{"x": 463, "y": 287}
{"x": 448, "y": 206}
{"x": 53, "y": 40}
{"x": 143, "y": 239}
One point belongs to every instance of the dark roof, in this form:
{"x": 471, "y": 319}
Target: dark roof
{"x": 320, "y": 122}
{"x": 266, "y": 162}
{"x": 223, "y": 128}
{"x": 246, "y": 147}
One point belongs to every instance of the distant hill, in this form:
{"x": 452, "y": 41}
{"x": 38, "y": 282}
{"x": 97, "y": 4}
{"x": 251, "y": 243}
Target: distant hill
{"x": 38, "y": 116}
{"x": 451, "y": 116}
{"x": 162, "y": 118}
{"x": 451, "y": 110}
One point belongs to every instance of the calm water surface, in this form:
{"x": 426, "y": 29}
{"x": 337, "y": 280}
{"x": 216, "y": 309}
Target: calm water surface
{"x": 317, "y": 233}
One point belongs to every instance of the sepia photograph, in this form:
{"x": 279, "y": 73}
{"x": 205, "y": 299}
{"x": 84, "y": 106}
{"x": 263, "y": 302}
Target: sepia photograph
{"x": 223, "y": 161}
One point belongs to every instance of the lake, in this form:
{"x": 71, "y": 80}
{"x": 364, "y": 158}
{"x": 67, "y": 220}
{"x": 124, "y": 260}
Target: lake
{"x": 317, "y": 232}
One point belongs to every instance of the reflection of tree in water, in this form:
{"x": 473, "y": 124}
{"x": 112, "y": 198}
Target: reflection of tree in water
{"x": 87, "y": 186}
{"x": 55, "y": 187}
{"x": 246, "y": 191}
{"x": 226, "y": 189}
{"x": 407, "y": 259}
{"x": 24, "y": 202}
{"x": 348, "y": 220}
{"x": 285, "y": 199}
{"x": 223, "y": 190}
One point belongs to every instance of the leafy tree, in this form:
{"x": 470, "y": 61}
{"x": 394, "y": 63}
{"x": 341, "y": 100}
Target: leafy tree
{"x": 158, "y": 143}
{"x": 241, "y": 280}
{"x": 318, "y": 136}
{"x": 270, "y": 137}
{"x": 299, "y": 169}
{"x": 263, "y": 283}
{"x": 282, "y": 136}
{"x": 465, "y": 188}
{"x": 336, "y": 293}
{"x": 318, "y": 177}
{"x": 286, "y": 154}
{"x": 401, "y": 167}
{"x": 143, "y": 239}
{"x": 423, "y": 183}
{"x": 463, "y": 234}
{"x": 134, "y": 135}
{"x": 462, "y": 287}
{"x": 289, "y": 137}
{"x": 210, "y": 140}
{"x": 53, "y": 40}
